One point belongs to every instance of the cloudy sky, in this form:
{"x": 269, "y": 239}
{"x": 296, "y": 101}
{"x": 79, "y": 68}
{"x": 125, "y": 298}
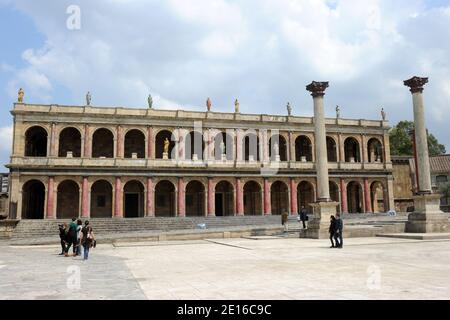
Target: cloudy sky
{"x": 263, "y": 52}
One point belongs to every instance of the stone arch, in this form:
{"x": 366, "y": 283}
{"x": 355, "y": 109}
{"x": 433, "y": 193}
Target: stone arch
{"x": 351, "y": 150}
{"x": 250, "y": 147}
{"x": 355, "y": 197}
{"x": 224, "y": 199}
{"x": 282, "y": 147}
{"x": 159, "y": 144}
{"x": 195, "y": 199}
{"x": 36, "y": 138}
{"x": 303, "y": 148}
{"x": 33, "y": 199}
{"x": 227, "y": 144}
{"x": 101, "y": 199}
{"x": 68, "y": 200}
{"x": 375, "y": 150}
{"x": 103, "y": 143}
{"x": 331, "y": 149}
{"x": 305, "y": 195}
{"x": 279, "y": 198}
{"x": 69, "y": 142}
{"x": 133, "y": 199}
{"x": 252, "y": 198}
{"x": 334, "y": 194}
{"x": 378, "y": 197}
{"x": 194, "y": 145}
{"x": 164, "y": 199}
{"x": 134, "y": 144}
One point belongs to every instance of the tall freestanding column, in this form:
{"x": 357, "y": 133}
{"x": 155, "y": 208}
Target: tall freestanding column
{"x": 324, "y": 207}
{"x": 427, "y": 216}
{"x": 118, "y": 203}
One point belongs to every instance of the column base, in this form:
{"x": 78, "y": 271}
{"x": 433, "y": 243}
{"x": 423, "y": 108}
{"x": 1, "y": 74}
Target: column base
{"x": 427, "y": 216}
{"x": 320, "y": 223}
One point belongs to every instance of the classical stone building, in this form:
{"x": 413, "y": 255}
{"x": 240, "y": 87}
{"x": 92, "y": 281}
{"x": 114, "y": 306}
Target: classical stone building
{"x": 124, "y": 162}
{"x": 4, "y": 192}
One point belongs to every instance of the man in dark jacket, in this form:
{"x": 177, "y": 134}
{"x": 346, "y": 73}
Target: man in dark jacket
{"x": 303, "y": 216}
{"x": 72, "y": 238}
{"x": 339, "y": 230}
{"x": 62, "y": 236}
{"x": 332, "y": 230}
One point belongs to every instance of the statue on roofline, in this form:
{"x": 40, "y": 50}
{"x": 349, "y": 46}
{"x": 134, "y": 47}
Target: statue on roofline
{"x": 20, "y": 95}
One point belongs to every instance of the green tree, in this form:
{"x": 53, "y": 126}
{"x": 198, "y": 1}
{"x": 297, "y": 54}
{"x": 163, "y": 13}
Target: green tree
{"x": 401, "y": 144}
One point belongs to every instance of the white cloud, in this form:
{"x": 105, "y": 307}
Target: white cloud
{"x": 6, "y": 134}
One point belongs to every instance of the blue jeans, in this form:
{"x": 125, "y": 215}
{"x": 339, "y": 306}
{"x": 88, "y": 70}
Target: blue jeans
{"x": 86, "y": 248}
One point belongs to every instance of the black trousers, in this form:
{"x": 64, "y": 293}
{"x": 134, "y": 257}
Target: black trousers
{"x": 338, "y": 239}
{"x": 63, "y": 246}
{"x": 331, "y": 239}
{"x": 304, "y": 224}
{"x": 71, "y": 242}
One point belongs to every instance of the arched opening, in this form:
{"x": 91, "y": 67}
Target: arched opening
{"x": 223, "y": 145}
{"x": 252, "y": 198}
{"x": 68, "y": 200}
{"x": 33, "y": 200}
{"x": 103, "y": 144}
{"x": 303, "y": 149}
{"x": 305, "y": 196}
{"x": 70, "y": 143}
{"x": 354, "y": 197}
{"x": 251, "y": 147}
{"x": 375, "y": 150}
{"x": 133, "y": 199}
{"x": 277, "y": 146}
{"x": 194, "y": 146}
{"x": 165, "y": 199}
{"x": 36, "y": 142}
{"x": 351, "y": 149}
{"x": 101, "y": 199}
{"x": 331, "y": 150}
{"x": 195, "y": 199}
{"x": 279, "y": 198}
{"x": 334, "y": 194}
{"x": 159, "y": 144}
{"x": 377, "y": 197}
{"x": 134, "y": 144}
{"x": 224, "y": 199}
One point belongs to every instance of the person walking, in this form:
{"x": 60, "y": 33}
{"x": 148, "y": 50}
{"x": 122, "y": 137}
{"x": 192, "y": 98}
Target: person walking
{"x": 284, "y": 221}
{"x": 63, "y": 237}
{"x": 72, "y": 238}
{"x": 87, "y": 239}
{"x": 303, "y": 216}
{"x": 332, "y": 230}
{"x": 79, "y": 227}
{"x": 339, "y": 230}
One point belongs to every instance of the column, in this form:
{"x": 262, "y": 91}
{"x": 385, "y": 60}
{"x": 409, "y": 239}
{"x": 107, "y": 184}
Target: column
{"x": 87, "y": 143}
{"x": 317, "y": 90}
{"x": 211, "y": 198}
{"x": 367, "y": 202}
{"x": 262, "y": 145}
{"x": 51, "y": 198}
{"x": 181, "y": 198}
{"x": 150, "y": 198}
{"x": 150, "y": 144}
{"x": 118, "y": 199}
{"x": 239, "y": 145}
{"x": 85, "y": 207}
{"x": 239, "y": 198}
{"x": 289, "y": 149}
{"x": 120, "y": 144}
{"x": 266, "y": 145}
{"x": 267, "y": 209}
{"x": 53, "y": 146}
{"x": 343, "y": 196}
{"x": 423, "y": 162}
{"x": 363, "y": 149}
{"x": 294, "y": 205}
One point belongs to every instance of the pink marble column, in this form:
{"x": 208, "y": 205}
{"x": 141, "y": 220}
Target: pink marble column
{"x": 211, "y": 198}
{"x": 87, "y": 143}
{"x": 150, "y": 143}
{"x": 181, "y": 198}
{"x": 294, "y": 205}
{"x": 239, "y": 198}
{"x": 150, "y": 198}
{"x": 267, "y": 208}
{"x": 51, "y": 198}
{"x": 118, "y": 199}
{"x": 343, "y": 196}
{"x": 367, "y": 202}
{"x": 85, "y": 207}
{"x": 120, "y": 142}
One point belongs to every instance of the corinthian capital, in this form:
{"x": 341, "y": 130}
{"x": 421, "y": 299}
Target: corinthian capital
{"x": 415, "y": 84}
{"x": 317, "y": 89}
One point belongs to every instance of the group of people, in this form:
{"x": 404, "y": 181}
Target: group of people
{"x": 77, "y": 236}
{"x": 336, "y": 230}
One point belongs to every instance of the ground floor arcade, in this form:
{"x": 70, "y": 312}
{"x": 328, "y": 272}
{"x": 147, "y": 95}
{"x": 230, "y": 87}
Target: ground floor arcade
{"x": 39, "y": 197}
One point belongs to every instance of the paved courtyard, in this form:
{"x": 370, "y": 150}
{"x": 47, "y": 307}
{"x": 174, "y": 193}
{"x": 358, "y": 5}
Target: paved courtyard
{"x": 267, "y": 268}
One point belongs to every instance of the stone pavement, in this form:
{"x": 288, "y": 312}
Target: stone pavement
{"x": 259, "y": 268}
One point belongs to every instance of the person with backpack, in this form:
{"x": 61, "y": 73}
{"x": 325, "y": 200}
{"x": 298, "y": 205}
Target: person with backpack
{"x": 87, "y": 239}
{"x": 72, "y": 238}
